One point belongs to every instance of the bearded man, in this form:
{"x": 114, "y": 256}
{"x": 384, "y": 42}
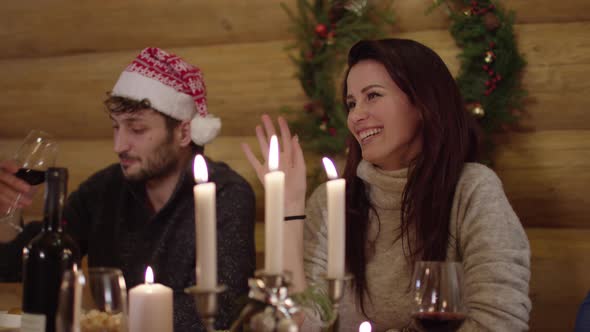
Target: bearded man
{"x": 140, "y": 211}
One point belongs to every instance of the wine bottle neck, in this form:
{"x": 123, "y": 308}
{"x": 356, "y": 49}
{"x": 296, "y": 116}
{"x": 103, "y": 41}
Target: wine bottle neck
{"x": 55, "y": 196}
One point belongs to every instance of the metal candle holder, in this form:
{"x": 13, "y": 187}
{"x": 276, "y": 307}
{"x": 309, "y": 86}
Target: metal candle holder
{"x": 206, "y": 303}
{"x": 335, "y": 293}
{"x": 270, "y": 308}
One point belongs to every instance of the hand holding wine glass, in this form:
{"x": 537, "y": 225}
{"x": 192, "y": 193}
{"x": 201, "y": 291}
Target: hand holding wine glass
{"x": 36, "y": 153}
{"x": 438, "y": 295}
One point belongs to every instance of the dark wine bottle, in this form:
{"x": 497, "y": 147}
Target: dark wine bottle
{"x": 46, "y": 258}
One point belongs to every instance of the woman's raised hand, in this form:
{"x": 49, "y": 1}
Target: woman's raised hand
{"x": 291, "y": 162}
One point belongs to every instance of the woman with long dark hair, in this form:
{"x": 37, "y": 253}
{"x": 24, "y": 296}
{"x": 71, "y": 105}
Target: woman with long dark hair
{"x": 414, "y": 193}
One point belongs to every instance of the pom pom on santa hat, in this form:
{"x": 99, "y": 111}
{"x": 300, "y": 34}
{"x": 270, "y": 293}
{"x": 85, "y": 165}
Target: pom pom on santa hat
{"x": 173, "y": 87}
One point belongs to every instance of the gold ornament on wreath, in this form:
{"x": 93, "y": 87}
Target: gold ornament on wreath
{"x": 476, "y": 110}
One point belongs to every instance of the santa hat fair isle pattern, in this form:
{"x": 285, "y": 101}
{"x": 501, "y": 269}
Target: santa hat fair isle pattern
{"x": 173, "y": 87}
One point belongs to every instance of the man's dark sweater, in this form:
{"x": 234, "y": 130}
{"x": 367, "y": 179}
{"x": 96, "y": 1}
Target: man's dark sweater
{"x": 111, "y": 220}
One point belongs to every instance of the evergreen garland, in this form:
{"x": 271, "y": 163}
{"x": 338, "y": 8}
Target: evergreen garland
{"x": 491, "y": 69}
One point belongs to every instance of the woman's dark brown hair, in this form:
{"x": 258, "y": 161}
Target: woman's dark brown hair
{"x": 449, "y": 140}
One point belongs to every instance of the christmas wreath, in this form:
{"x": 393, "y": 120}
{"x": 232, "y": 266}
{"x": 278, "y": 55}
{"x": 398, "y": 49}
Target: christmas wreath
{"x": 489, "y": 76}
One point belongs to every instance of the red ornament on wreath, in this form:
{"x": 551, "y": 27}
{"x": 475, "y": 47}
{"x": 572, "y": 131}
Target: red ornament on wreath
{"x": 491, "y": 21}
{"x": 321, "y": 30}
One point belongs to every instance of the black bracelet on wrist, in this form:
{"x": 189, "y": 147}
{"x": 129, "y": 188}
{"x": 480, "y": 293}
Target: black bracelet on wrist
{"x": 302, "y": 216}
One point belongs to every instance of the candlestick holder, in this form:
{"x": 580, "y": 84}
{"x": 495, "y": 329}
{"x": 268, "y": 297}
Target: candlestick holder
{"x": 270, "y": 309}
{"x": 206, "y": 303}
{"x": 335, "y": 293}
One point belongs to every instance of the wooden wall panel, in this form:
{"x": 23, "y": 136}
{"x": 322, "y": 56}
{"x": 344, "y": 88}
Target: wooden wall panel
{"x": 560, "y": 266}
{"x": 39, "y": 28}
{"x": 67, "y": 91}
{"x": 545, "y": 175}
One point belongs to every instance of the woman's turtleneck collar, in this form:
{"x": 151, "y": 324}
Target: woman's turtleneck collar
{"x": 384, "y": 187}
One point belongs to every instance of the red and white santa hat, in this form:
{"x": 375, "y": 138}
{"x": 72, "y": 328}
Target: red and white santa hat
{"x": 173, "y": 87}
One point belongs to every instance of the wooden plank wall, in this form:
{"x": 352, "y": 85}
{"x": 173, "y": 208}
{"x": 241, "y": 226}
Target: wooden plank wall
{"x": 59, "y": 58}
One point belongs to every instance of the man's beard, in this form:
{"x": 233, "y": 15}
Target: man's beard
{"x": 161, "y": 163}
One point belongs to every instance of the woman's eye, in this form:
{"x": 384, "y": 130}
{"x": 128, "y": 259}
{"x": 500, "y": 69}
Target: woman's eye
{"x": 372, "y": 95}
{"x": 350, "y": 105}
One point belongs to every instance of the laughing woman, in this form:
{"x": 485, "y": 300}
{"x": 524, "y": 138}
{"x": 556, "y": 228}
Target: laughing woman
{"x": 413, "y": 193}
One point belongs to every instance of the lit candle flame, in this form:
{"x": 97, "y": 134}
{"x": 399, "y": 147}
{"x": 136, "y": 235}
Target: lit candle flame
{"x": 273, "y": 154}
{"x": 365, "y": 327}
{"x": 330, "y": 169}
{"x": 149, "y": 275}
{"x": 200, "y": 169}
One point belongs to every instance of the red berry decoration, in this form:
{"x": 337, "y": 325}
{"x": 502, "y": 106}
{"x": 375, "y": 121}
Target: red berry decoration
{"x": 321, "y": 30}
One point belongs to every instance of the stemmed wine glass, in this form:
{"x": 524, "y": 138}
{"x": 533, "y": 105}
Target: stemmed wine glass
{"x": 36, "y": 153}
{"x": 95, "y": 302}
{"x": 438, "y": 295}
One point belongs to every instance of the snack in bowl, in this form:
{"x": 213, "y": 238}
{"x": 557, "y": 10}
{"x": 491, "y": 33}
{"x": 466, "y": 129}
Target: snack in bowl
{"x": 100, "y": 321}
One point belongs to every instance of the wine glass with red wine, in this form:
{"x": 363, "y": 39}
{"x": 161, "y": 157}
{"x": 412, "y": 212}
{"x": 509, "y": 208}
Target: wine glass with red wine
{"x": 438, "y": 295}
{"x": 36, "y": 153}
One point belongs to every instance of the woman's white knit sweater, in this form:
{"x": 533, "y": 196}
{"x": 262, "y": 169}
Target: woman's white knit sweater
{"x": 486, "y": 236}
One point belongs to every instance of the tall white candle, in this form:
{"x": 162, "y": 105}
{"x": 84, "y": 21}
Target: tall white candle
{"x": 336, "y": 189}
{"x": 150, "y": 306}
{"x": 274, "y": 192}
{"x": 205, "y": 227}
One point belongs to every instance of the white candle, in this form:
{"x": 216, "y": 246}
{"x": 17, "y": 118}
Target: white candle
{"x": 150, "y": 306}
{"x": 274, "y": 192}
{"x": 335, "y": 189}
{"x": 205, "y": 226}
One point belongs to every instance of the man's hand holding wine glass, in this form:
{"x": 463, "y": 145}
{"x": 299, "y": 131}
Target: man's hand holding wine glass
{"x": 12, "y": 187}
{"x": 19, "y": 178}
{"x": 15, "y": 194}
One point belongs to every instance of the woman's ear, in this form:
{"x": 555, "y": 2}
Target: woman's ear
{"x": 184, "y": 133}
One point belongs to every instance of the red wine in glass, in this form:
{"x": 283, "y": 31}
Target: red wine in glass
{"x": 439, "y": 321}
{"x": 438, "y": 292}
{"x": 31, "y": 176}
